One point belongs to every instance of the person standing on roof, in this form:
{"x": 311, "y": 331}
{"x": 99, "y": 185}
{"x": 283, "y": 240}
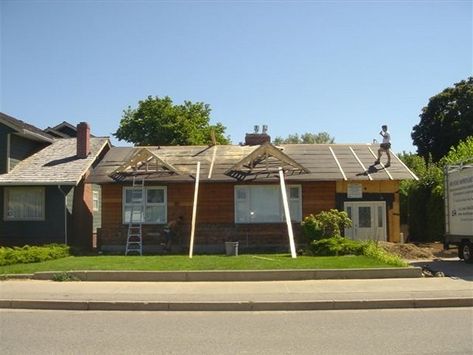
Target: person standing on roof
{"x": 385, "y": 146}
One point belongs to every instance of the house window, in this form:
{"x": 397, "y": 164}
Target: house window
{"x": 95, "y": 201}
{"x": 24, "y": 204}
{"x": 150, "y": 208}
{"x": 263, "y": 204}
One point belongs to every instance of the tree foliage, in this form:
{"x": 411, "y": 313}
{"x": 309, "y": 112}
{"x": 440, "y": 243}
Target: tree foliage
{"x": 462, "y": 152}
{"x": 306, "y": 138}
{"x": 422, "y": 205}
{"x": 158, "y": 121}
{"x": 447, "y": 119}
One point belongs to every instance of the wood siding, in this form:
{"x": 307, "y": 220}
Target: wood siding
{"x": 380, "y": 188}
{"x": 215, "y": 215}
{"x": 21, "y": 148}
{"x": 4, "y": 148}
{"x": 51, "y": 230}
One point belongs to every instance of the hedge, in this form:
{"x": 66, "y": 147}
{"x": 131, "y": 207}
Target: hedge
{"x": 32, "y": 254}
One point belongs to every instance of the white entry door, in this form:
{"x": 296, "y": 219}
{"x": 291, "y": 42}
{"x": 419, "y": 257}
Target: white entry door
{"x": 369, "y": 220}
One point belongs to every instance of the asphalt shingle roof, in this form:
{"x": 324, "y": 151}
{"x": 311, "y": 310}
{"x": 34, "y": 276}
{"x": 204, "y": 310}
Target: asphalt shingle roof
{"x": 57, "y": 164}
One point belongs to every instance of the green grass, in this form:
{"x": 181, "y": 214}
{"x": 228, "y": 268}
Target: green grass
{"x": 198, "y": 262}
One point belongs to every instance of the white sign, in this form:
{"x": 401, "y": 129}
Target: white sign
{"x": 355, "y": 191}
{"x": 460, "y": 202}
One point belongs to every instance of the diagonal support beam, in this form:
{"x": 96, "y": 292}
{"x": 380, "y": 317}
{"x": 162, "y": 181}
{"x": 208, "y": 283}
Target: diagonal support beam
{"x": 258, "y": 162}
{"x": 144, "y": 157}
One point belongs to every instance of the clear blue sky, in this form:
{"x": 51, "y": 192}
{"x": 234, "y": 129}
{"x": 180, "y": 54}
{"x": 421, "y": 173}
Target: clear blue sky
{"x": 344, "y": 67}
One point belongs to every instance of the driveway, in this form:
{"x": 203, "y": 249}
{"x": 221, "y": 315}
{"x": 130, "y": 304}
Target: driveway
{"x": 451, "y": 267}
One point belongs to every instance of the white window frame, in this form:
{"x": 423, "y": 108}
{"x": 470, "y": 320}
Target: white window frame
{"x": 95, "y": 201}
{"x": 247, "y": 201}
{"x": 26, "y": 190}
{"x": 146, "y": 204}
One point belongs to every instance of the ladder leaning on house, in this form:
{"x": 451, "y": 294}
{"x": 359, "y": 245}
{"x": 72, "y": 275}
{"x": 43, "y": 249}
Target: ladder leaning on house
{"x": 134, "y": 239}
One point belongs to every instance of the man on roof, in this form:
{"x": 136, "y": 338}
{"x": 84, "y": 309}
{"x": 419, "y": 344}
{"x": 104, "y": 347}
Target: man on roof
{"x": 385, "y": 146}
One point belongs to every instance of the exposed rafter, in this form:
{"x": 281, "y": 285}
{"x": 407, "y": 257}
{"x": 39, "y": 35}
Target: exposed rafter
{"x": 143, "y": 161}
{"x": 265, "y": 161}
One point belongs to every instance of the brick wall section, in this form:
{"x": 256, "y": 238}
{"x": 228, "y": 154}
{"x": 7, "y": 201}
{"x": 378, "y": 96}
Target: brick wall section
{"x": 215, "y": 215}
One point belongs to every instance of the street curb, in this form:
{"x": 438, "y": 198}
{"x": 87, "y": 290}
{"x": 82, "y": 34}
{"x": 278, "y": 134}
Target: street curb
{"x": 237, "y": 306}
{"x": 238, "y": 275}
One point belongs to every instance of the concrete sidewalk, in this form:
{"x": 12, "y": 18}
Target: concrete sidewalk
{"x": 237, "y": 296}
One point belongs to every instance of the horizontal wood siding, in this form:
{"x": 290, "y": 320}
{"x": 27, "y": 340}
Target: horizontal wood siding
{"x": 317, "y": 197}
{"x": 215, "y": 216}
{"x": 51, "y": 230}
{"x": 111, "y": 205}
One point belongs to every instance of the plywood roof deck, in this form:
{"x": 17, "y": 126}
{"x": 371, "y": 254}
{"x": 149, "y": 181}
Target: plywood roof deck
{"x": 225, "y": 163}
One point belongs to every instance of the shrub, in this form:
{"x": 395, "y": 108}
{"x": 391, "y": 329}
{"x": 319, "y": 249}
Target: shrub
{"x": 32, "y": 254}
{"x": 326, "y": 224}
{"x": 372, "y": 250}
{"x": 338, "y": 246}
{"x": 335, "y": 246}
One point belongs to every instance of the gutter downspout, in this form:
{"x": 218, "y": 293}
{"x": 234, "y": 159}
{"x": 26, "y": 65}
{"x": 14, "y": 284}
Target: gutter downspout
{"x": 65, "y": 213}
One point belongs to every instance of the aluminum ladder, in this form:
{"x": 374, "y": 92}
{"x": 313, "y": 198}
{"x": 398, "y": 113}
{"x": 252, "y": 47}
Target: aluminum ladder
{"x": 134, "y": 239}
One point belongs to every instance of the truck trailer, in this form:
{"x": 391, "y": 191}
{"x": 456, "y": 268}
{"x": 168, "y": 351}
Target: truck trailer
{"x": 459, "y": 208}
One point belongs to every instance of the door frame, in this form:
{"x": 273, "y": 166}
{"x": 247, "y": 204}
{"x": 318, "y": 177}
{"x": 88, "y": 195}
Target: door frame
{"x": 380, "y": 233}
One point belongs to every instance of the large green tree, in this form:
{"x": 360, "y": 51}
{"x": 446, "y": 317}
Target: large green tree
{"x": 306, "y": 138}
{"x": 422, "y": 204}
{"x": 158, "y": 121}
{"x": 446, "y": 120}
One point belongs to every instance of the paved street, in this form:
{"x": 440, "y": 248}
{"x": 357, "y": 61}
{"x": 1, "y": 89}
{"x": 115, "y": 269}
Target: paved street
{"x": 451, "y": 267}
{"x": 410, "y": 331}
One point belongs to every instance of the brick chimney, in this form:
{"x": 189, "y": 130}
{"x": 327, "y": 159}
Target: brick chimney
{"x": 257, "y": 138}
{"x": 83, "y": 140}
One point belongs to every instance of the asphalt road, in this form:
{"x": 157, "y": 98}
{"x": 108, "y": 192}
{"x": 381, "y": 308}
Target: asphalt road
{"x": 451, "y": 267}
{"x": 405, "y": 331}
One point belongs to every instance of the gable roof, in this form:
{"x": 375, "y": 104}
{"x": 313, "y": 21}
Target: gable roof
{"x": 143, "y": 161}
{"x": 265, "y": 160}
{"x": 321, "y": 162}
{"x": 57, "y": 164}
{"x": 25, "y": 129}
{"x": 63, "y": 130}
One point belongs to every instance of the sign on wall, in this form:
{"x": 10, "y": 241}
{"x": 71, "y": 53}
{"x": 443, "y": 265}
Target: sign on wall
{"x": 355, "y": 191}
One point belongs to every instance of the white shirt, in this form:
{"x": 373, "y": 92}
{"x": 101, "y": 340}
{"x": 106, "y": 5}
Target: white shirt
{"x": 386, "y": 137}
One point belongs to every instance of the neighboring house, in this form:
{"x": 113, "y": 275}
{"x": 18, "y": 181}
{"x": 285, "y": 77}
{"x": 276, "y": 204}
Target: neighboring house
{"x": 42, "y": 185}
{"x": 63, "y": 130}
{"x": 19, "y": 140}
{"x": 239, "y": 194}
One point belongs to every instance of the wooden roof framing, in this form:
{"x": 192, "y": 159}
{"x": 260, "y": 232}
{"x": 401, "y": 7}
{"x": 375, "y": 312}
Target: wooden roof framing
{"x": 143, "y": 161}
{"x": 265, "y": 161}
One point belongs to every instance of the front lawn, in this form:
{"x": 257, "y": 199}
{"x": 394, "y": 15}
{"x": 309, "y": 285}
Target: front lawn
{"x": 198, "y": 262}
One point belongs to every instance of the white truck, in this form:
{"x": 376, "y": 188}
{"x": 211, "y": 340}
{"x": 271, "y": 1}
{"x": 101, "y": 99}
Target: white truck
{"x": 459, "y": 208}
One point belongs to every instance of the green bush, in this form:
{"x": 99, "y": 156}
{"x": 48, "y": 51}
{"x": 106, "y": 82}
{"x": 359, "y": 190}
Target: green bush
{"x": 338, "y": 246}
{"x": 326, "y": 224}
{"x": 32, "y": 254}
{"x": 372, "y": 250}
{"x": 335, "y": 246}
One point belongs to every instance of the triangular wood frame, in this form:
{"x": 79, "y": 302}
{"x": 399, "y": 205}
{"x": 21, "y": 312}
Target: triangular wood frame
{"x": 143, "y": 161}
{"x": 258, "y": 163}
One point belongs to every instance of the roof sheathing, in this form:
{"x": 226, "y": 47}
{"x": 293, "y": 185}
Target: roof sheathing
{"x": 356, "y": 161}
